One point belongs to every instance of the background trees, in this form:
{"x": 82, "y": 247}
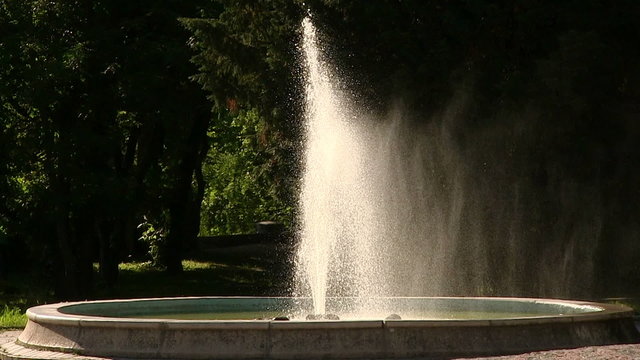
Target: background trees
{"x": 247, "y": 61}
{"x": 103, "y": 127}
{"x": 121, "y": 113}
{"x": 245, "y": 173}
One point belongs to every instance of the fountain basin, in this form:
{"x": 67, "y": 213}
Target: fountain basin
{"x": 168, "y": 328}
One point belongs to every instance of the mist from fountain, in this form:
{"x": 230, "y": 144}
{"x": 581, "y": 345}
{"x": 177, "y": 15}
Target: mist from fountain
{"x": 391, "y": 206}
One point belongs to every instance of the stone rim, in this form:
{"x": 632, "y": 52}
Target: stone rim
{"x": 51, "y": 329}
{"x": 54, "y": 314}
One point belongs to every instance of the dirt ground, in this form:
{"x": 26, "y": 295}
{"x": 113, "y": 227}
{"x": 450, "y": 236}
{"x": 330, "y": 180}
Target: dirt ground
{"x": 610, "y": 352}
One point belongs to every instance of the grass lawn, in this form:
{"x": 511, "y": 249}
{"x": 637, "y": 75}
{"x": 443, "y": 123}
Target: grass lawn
{"x": 12, "y": 317}
{"x": 200, "y": 278}
{"x": 234, "y": 271}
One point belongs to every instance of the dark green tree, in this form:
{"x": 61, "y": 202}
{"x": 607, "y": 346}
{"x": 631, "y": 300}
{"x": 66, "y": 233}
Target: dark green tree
{"x": 248, "y": 63}
{"x": 243, "y": 185}
{"x": 105, "y": 128}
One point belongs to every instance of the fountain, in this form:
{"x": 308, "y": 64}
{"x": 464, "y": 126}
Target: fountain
{"x": 346, "y": 284}
{"x": 266, "y": 328}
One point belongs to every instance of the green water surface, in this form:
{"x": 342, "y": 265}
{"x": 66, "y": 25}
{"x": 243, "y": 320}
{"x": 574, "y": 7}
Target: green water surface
{"x": 269, "y": 315}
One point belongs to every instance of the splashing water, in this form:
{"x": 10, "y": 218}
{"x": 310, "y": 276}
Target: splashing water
{"x": 368, "y": 218}
{"x": 336, "y": 248}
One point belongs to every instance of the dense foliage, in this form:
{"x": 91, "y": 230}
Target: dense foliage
{"x": 247, "y": 60}
{"x": 120, "y": 118}
{"x": 101, "y": 127}
{"x": 241, "y": 172}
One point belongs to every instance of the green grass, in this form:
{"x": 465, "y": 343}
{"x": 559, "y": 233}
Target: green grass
{"x": 199, "y": 278}
{"x": 12, "y": 317}
{"x": 18, "y": 292}
{"x": 240, "y": 272}
{"x": 248, "y": 271}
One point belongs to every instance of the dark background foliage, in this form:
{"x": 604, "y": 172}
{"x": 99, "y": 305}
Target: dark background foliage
{"x": 121, "y": 113}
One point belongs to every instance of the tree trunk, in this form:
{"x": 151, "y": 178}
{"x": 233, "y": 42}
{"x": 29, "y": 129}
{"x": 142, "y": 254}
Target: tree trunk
{"x": 67, "y": 282}
{"x": 184, "y": 209}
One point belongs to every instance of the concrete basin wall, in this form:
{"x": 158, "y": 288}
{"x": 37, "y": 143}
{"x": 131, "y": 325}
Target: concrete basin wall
{"x": 51, "y": 329}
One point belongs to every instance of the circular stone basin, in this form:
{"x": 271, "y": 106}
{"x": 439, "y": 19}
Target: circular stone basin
{"x": 274, "y": 328}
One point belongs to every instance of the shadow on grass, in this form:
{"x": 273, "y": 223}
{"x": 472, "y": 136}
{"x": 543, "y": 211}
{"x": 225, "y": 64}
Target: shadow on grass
{"x": 229, "y": 272}
{"x": 22, "y": 290}
{"x": 255, "y": 270}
